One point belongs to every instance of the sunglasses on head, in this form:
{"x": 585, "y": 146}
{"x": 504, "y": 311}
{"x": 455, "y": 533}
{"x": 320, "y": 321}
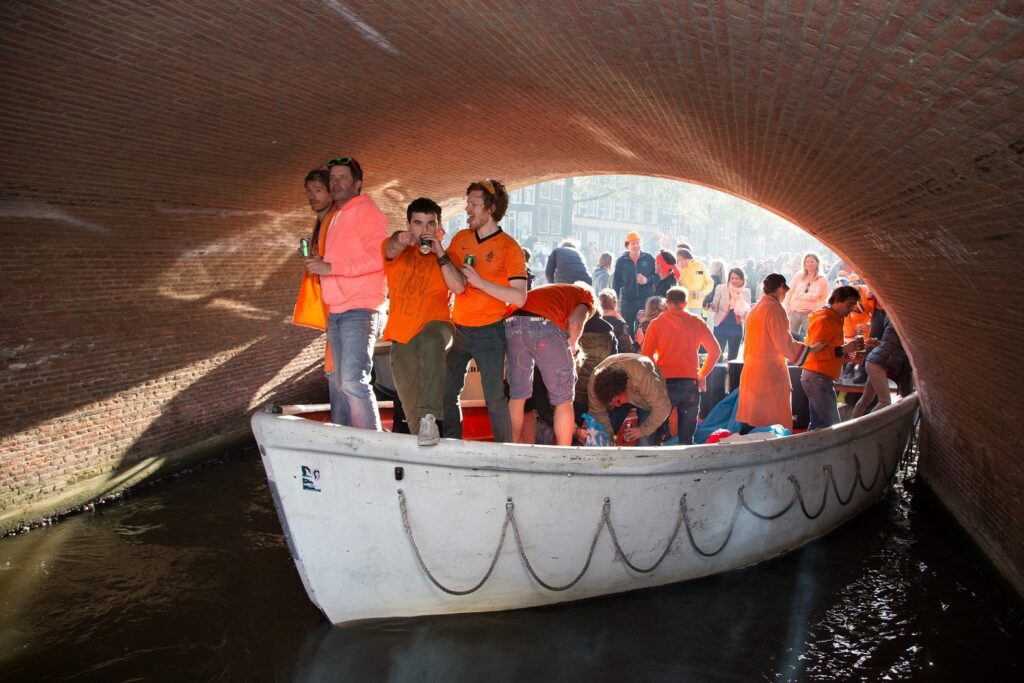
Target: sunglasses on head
{"x": 344, "y": 161}
{"x": 488, "y": 185}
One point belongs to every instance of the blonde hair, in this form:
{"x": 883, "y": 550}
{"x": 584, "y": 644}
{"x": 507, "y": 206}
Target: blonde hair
{"x": 803, "y": 263}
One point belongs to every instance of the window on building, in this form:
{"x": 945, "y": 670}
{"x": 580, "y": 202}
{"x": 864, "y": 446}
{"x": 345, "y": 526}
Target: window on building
{"x": 652, "y": 216}
{"x": 558, "y": 189}
{"x": 556, "y": 220}
{"x": 543, "y": 219}
{"x": 545, "y": 190}
{"x": 525, "y": 221}
{"x": 529, "y": 195}
{"x": 509, "y": 223}
{"x": 517, "y": 196}
{"x": 620, "y": 210}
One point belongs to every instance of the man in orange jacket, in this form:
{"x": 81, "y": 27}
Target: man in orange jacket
{"x": 822, "y": 368}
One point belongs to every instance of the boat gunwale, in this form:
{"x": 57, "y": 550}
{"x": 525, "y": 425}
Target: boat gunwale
{"x": 578, "y": 460}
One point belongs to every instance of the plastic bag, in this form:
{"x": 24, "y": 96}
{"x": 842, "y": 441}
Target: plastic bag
{"x": 596, "y": 434}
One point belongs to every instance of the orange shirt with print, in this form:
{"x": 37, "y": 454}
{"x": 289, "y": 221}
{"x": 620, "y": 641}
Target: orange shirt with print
{"x": 557, "y": 302}
{"x": 499, "y": 259}
{"x": 417, "y": 292}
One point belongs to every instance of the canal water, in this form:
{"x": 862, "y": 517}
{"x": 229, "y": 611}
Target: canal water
{"x": 190, "y": 579}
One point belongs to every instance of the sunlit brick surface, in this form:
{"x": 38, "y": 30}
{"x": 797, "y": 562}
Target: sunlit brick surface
{"x": 153, "y": 155}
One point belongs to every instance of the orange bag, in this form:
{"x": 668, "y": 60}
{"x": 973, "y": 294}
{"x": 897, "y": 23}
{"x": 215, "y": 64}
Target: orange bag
{"x": 310, "y": 310}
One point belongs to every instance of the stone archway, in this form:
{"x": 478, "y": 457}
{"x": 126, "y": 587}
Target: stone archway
{"x": 153, "y": 159}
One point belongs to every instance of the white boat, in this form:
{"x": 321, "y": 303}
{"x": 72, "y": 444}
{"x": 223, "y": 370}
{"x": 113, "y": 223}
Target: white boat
{"x": 382, "y": 527}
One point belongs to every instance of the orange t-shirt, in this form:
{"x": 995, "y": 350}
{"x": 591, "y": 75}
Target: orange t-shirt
{"x": 499, "y": 259}
{"x": 417, "y": 292}
{"x": 557, "y": 302}
{"x": 825, "y": 325}
{"x": 672, "y": 342}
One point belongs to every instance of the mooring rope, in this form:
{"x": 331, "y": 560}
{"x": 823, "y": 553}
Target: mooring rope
{"x": 682, "y": 519}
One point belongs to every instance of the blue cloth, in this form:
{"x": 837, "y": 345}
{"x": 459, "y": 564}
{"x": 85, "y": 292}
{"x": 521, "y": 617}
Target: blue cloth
{"x": 723, "y": 416}
{"x": 596, "y": 435}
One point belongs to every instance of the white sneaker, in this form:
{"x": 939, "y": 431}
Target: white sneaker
{"x": 428, "y": 436}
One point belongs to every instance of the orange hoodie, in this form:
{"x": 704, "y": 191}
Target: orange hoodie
{"x": 825, "y": 325}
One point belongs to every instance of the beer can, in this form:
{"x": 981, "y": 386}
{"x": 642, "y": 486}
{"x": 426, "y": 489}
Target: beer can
{"x": 425, "y": 247}
{"x": 304, "y": 246}
{"x": 470, "y": 259}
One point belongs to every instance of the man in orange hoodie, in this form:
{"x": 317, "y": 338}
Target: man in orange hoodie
{"x": 822, "y": 368}
{"x": 672, "y": 342}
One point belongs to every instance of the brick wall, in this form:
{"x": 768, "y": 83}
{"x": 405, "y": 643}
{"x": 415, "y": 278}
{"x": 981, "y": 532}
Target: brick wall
{"x": 151, "y": 191}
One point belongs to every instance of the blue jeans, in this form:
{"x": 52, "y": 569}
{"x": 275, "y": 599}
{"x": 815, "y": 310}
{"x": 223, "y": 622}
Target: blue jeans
{"x": 485, "y": 345}
{"x": 821, "y": 395}
{"x": 618, "y": 415}
{"x": 685, "y": 397}
{"x": 352, "y": 335}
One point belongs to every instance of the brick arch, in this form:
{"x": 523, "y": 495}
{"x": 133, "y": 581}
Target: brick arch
{"x": 153, "y": 159}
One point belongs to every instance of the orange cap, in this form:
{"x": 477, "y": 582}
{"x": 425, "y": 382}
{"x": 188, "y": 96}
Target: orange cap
{"x": 630, "y": 236}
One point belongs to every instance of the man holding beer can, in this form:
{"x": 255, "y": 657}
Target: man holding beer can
{"x": 351, "y": 270}
{"x": 486, "y": 269}
{"x": 419, "y": 324}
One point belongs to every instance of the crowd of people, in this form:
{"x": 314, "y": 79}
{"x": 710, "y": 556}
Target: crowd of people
{"x": 641, "y": 332}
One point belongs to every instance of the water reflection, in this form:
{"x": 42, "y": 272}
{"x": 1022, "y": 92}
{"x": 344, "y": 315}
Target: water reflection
{"x": 192, "y": 580}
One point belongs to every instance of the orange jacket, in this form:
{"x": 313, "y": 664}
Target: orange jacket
{"x": 765, "y": 392}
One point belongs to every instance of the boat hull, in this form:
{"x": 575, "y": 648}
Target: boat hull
{"x": 381, "y": 527}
